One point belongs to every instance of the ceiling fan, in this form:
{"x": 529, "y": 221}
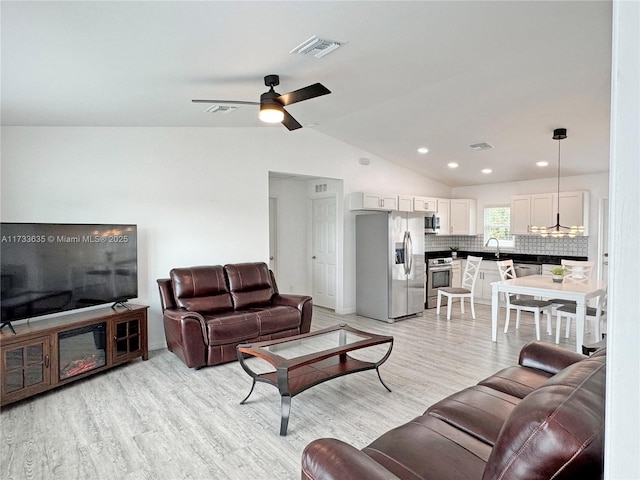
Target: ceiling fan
{"x": 272, "y": 103}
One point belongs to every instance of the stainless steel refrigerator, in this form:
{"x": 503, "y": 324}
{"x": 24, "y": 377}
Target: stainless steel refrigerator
{"x": 390, "y": 267}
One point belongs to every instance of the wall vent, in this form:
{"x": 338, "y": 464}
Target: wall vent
{"x": 316, "y": 47}
{"x": 481, "y": 146}
{"x": 219, "y": 109}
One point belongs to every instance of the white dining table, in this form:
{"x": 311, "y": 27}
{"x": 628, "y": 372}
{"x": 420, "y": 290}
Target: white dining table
{"x": 543, "y": 286}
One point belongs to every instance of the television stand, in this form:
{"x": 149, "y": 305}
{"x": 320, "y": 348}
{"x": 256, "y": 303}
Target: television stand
{"x": 7, "y": 324}
{"x": 50, "y": 353}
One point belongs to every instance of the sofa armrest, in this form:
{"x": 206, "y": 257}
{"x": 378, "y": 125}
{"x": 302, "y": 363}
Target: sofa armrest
{"x": 546, "y": 357}
{"x": 303, "y": 303}
{"x": 331, "y": 459}
{"x": 186, "y": 335}
{"x": 183, "y": 316}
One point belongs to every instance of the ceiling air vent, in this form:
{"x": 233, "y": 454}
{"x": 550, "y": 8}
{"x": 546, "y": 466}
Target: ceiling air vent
{"x": 219, "y": 109}
{"x": 316, "y": 46}
{"x": 481, "y": 146}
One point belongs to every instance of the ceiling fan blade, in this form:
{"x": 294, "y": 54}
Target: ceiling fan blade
{"x": 228, "y": 102}
{"x": 290, "y": 122}
{"x": 306, "y": 93}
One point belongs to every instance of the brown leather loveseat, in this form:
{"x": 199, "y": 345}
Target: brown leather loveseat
{"x": 208, "y": 310}
{"x": 542, "y": 419}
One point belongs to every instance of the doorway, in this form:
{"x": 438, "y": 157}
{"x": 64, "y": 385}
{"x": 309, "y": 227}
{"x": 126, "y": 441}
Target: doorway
{"x": 305, "y": 236}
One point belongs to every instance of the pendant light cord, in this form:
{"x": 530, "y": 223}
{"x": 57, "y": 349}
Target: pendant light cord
{"x": 559, "y": 140}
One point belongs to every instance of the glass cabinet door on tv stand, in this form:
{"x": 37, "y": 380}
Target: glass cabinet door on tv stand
{"x": 45, "y": 354}
{"x": 128, "y": 339}
{"x": 26, "y": 368}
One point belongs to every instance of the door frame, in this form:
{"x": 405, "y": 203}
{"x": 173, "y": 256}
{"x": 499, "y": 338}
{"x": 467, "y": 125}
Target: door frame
{"x": 603, "y": 226}
{"x": 273, "y": 235}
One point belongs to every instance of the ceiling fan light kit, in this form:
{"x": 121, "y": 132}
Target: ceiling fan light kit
{"x": 272, "y": 103}
{"x": 271, "y": 113}
{"x": 557, "y": 230}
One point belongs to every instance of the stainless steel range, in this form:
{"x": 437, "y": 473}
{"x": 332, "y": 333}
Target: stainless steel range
{"x": 438, "y": 275}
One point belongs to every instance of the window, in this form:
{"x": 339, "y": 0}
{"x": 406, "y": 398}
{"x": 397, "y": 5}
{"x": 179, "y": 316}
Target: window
{"x": 497, "y": 220}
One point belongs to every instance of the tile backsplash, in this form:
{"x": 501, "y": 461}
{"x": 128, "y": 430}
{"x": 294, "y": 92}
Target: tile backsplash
{"x": 530, "y": 244}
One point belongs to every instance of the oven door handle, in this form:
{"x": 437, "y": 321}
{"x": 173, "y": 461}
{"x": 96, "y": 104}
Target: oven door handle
{"x": 439, "y": 269}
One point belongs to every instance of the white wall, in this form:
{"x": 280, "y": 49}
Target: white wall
{"x": 622, "y": 427}
{"x": 500, "y": 193}
{"x": 198, "y": 195}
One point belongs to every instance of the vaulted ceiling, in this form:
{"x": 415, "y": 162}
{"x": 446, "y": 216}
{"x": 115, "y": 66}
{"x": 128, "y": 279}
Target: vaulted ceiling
{"x": 442, "y": 75}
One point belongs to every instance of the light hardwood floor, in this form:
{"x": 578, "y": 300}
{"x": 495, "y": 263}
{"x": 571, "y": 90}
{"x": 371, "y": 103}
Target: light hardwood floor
{"x": 160, "y": 420}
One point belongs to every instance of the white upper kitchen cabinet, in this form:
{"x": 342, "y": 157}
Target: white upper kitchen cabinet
{"x": 531, "y": 210}
{"x": 444, "y": 209}
{"x": 457, "y": 216}
{"x": 574, "y": 210}
{"x": 372, "y": 201}
{"x": 540, "y": 210}
{"x": 425, "y": 204}
{"x": 463, "y": 216}
{"x": 405, "y": 203}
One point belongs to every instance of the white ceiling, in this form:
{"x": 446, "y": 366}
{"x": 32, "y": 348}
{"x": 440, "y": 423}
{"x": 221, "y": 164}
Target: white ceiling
{"x": 443, "y": 74}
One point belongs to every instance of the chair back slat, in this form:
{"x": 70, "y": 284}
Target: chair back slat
{"x": 507, "y": 271}
{"x": 578, "y": 271}
{"x": 471, "y": 271}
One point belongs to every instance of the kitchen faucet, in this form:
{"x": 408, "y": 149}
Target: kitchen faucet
{"x": 497, "y": 245}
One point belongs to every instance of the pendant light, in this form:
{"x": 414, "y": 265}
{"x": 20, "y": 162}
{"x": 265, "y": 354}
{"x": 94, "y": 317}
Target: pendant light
{"x": 557, "y": 230}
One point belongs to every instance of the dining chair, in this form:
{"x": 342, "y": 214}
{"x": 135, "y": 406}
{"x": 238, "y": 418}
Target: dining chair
{"x": 596, "y": 314}
{"x": 577, "y": 271}
{"x": 513, "y": 302}
{"x": 465, "y": 290}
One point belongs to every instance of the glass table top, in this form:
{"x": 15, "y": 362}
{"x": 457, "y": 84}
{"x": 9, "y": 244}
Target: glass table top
{"x": 315, "y": 343}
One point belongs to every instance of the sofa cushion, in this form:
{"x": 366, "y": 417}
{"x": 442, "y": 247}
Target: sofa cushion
{"x": 201, "y": 289}
{"x": 517, "y": 381}
{"x": 232, "y": 327}
{"x": 276, "y": 318}
{"x": 250, "y": 284}
{"x": 557, "y": 431}
{"x": 480, "y": 411}
{"x": 429, "y": 449}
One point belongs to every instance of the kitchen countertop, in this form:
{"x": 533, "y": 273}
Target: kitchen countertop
{"x": 516, "y": 257}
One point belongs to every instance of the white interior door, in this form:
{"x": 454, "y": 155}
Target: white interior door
{"x": 323, "y": 251}
{"x": 273, "y": 235}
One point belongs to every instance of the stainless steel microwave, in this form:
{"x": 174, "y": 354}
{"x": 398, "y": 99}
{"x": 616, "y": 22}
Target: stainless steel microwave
{"x": 432, "y": 224}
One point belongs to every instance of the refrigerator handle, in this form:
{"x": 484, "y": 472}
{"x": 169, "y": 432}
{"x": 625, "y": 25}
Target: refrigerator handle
{"x": 408, "y": 253}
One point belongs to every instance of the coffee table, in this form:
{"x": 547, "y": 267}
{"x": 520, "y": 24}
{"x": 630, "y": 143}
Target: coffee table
{"x": 306, "y": 360}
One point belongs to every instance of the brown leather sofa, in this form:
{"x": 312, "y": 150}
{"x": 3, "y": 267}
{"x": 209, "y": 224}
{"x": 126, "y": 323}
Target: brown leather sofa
{"x": 208, "y": 310}
{"x": 539, "y": 420}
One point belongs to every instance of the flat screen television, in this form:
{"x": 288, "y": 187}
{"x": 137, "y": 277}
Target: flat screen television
{"x": 53, "y": 267}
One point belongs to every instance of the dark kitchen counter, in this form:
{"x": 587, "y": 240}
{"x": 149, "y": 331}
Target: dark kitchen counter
{"x": 516, "y": 257}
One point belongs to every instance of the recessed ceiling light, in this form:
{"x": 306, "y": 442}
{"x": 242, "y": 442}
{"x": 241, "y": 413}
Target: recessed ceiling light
{"x": 542, "y": 164}
{"x": 487, "y": 171}
{"x": 452, "y": 165}
{"x": 423, "y": 150}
